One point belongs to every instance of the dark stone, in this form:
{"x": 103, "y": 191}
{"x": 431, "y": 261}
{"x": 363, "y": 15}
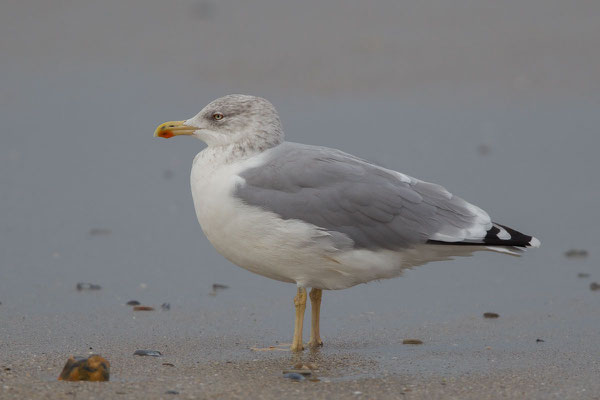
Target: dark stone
{"x": 294, "y": 376}
{"x": 576, "y": 253}
{"x": 151, "y": 353}
{"x": 87, "y": 286}
{"x": 412, "y": 341}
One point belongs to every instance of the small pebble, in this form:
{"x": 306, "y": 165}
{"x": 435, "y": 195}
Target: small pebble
{"x": 412, "y": 341}
{"x": 87, "y": 286}
{"x": 295, "y": 377}
{"x": 538, "y": 340}
{"x": 171, "y": 392}
{"x": 151, "y": 353}
{"x": 576, "y": 253}
{"x": 216, "y": 287}
{"x": 133, "y": 303}
{"x": 165, "y": 306}
{"x": 594, "y": 286}
{"x": 490, "y": 315}
{"x": 95, "y": 368}
{"x": 583, "y": 275}
{"x": 305, "y": 372}
{"x": 143, "y": 308}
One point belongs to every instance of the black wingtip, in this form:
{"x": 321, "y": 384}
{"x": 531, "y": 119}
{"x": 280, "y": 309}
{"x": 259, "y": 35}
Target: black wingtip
{"x": 516, "y": 238}
{"x": 496, "y": 236}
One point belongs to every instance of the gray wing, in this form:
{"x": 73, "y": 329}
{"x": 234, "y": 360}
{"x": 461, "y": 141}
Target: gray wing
{"x": 372, "y": 206}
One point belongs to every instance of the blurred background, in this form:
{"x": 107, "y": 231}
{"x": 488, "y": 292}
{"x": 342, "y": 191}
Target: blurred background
{"x": 497, "y": 101}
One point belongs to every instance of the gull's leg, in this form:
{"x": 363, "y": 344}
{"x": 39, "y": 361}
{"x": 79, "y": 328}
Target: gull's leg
{"x": 315, "y": 306}
{"x": 300, "y": 304}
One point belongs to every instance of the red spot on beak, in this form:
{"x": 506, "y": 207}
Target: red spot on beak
{"x": 166, "y": 134}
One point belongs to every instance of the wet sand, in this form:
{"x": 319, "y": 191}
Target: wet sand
{"x": 500, "y": 105}
{"x": 253, "y": 380}
{"x": 467, "y": 358}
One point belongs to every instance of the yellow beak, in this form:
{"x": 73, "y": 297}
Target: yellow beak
{"x": 173, "y": 128}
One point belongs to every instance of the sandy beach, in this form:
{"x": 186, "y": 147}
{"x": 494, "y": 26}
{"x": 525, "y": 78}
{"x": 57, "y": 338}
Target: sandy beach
{"x": 497, "y": 103}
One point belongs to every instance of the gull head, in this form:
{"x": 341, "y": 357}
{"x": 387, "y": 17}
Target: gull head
{"x": 236, "y": 119}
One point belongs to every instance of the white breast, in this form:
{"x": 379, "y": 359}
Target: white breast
{"x": 247, "y": 236}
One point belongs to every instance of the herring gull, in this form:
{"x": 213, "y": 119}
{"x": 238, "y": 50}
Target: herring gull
{"x": 318, "y": 217}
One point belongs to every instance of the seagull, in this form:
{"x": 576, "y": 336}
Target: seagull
{"x": 318, "y": 217}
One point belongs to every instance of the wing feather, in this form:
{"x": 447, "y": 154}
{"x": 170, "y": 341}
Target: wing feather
{"x": 372, "y": 206}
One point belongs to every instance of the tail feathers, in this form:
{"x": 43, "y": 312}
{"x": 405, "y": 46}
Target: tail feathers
{"x": 498, "y": 235}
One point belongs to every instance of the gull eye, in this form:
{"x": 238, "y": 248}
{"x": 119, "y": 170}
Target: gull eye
{"x": 217, "y": 116}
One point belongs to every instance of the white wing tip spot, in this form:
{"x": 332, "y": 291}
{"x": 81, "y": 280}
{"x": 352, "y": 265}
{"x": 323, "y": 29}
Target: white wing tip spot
{"x": 503, "y": 234}
{"x": 534, "y": 242}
